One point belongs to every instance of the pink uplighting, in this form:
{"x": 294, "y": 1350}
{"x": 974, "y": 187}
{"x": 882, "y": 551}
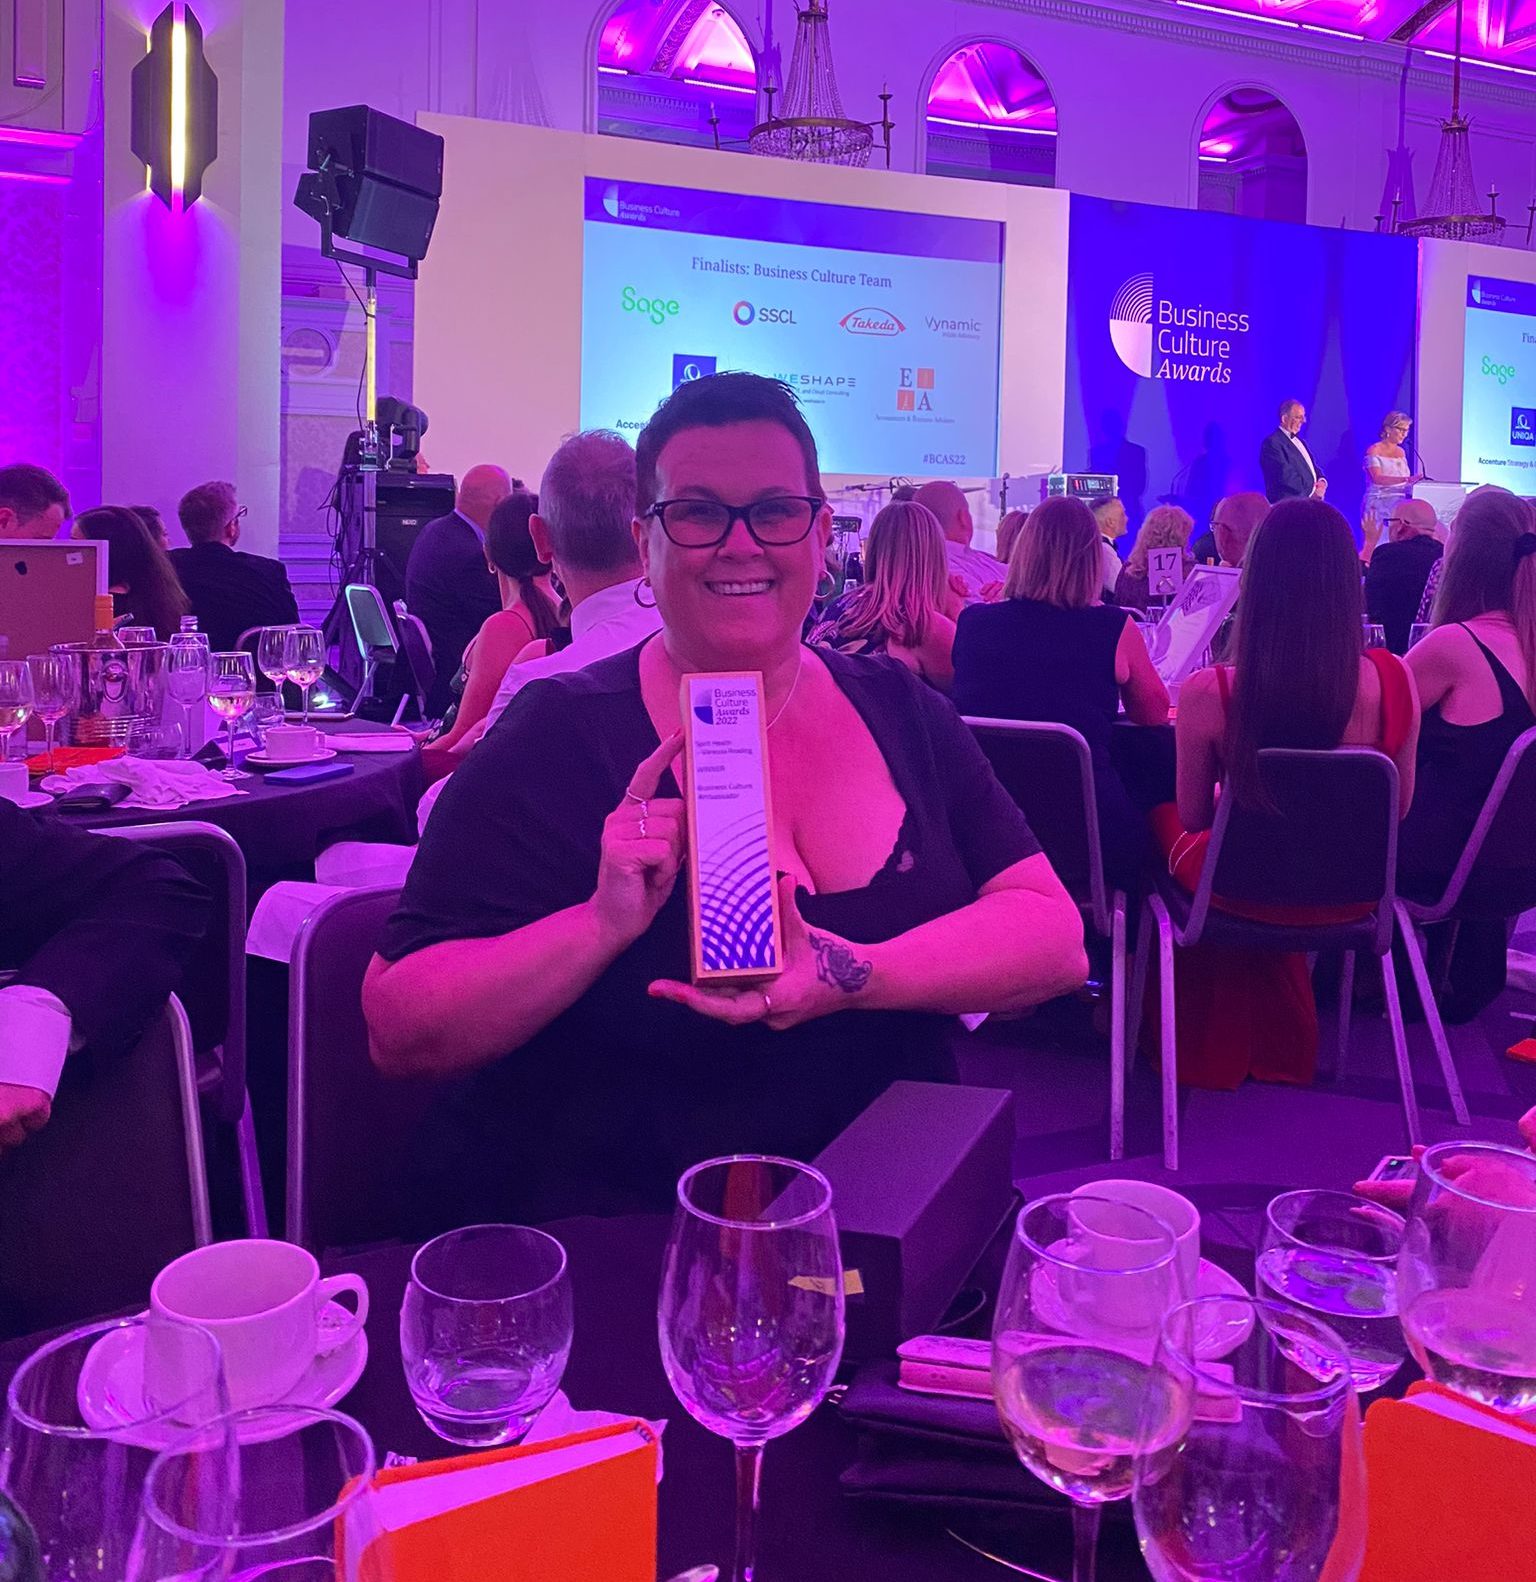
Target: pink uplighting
{"x": 711, "y": 51}
{"x": 27, "y": 137}
{"x": 991, "y": 85}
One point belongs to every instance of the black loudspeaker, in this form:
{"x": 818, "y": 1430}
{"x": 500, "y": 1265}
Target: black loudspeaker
{"x": 403, "y": 504}
{"x": 388, "y": 175}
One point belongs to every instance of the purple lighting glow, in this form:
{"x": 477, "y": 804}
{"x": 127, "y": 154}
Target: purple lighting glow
{"x": 990, "y": 85}
{"x": 659, "y": 39}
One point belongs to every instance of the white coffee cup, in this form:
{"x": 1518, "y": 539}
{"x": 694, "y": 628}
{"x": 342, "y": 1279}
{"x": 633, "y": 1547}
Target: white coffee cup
{"x": 13, "y": 781}
{"x": 293, "y": 741}
{"x": 262, "y": 1301}
{"x": 1180, "y": 1216}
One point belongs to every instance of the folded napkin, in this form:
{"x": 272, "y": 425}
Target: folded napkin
{"x": 158, "y": 784}
{"x": 370, "y": 741}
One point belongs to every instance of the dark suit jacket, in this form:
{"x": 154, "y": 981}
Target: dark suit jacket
{"x": 231, "y": 591}
{"x": 1394, "y": 584}
{"x": 1285, "y": 471}
{"x": 450, "y": 587}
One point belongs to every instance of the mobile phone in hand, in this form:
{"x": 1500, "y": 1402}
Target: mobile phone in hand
{"x": 1394, "y": 1167}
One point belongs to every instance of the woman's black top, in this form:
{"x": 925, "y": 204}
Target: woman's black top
{"x": 602, "y": 1110}
{"x": 1456, "y": 768}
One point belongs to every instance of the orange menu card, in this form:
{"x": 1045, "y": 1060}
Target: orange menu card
{"x": 565, "y": 1510}
{"x": 1451, "y": 1491}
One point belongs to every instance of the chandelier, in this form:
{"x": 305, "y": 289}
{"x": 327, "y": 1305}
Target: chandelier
{"x": 1453, "y": 209}
{"x": 812, "y": 127}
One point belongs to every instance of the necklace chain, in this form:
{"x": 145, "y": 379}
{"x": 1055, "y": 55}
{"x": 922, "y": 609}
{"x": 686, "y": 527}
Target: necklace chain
{"x": 800, "y": 665}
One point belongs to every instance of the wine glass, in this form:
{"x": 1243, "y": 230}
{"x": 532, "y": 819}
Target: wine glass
{"x": 1418, "y": 631}
{"x": 137, "y": 636}
{"x": 80, "y": 1434}
{"x": 1373, "y": 634}
{"x": 53, "y": 692}
{"x": 231, "y": 691}
{"x": 187, "y": 675}
{"x": 304, "y": 659}
{"x": 278, "y": 1492}
{"x": 15, "y": 702}
{"x": 1465, "y": 1283}
{"x": 272, "y": 655}
{"x": 1329, "y": 1254}
{"x": 751, "y": 1311}
{"x": 1250, "y": 1465}
{"x": 1085, "y": 1290}
{"x": 485, "y": 1331}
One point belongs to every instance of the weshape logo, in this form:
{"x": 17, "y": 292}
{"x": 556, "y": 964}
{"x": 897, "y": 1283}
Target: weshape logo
{"x": 1130, "y": 324}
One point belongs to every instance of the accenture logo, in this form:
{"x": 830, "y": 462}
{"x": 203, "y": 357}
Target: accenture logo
{"x": 1130, "y": 324}
{"x": 872, "y": 321}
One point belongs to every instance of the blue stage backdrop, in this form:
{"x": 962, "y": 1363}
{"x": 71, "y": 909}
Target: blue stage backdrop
{"x": 1186, "y": 330}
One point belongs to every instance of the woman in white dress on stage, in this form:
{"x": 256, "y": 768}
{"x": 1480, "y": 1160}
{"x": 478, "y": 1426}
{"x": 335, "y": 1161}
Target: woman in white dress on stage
{"x": 1386, "y": 465}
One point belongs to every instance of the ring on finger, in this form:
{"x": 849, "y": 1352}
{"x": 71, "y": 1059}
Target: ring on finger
{"x": 767, "y": 1003}
{"x": 642, "y": 826}
{"x": 639, "y": 801}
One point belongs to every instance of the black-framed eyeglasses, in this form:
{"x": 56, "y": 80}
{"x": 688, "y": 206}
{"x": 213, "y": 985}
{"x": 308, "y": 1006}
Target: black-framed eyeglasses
{"x": 701, "y": 524}
{"x": 240, "y": 511}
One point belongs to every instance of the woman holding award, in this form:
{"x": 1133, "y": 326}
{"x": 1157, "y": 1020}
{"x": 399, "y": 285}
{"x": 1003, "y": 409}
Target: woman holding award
{"x": 541, "y": 953}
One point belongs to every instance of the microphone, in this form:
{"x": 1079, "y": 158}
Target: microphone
{"x": 1418, "y": 462}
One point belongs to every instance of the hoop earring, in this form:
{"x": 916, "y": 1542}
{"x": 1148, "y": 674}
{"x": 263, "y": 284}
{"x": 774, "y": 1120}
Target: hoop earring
{"x": 826, "y": 585}
{"x": 645, "y": 604}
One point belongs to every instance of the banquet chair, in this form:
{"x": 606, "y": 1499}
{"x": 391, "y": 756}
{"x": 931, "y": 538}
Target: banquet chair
{"x": 373, "y": 631}
{"x": 213, "y": 987}
{"x": 416, "y": 649}
{"x": 347, "y": 1125}
{"x": 1046, "y": 768}
{"x": 1331, "y": 842}
{"x": 1495, "y": 880}
{"x": 95, "y": 1204}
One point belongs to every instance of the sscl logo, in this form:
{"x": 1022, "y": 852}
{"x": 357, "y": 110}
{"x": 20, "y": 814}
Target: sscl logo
{"x": 1130, "y": 324}
{"x": 872, "y": 321}
{"x": 1522, "y": 425}
{"x": 746, "y": 313}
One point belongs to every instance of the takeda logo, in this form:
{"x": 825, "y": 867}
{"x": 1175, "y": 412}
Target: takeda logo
{"x": 872, "y": 321}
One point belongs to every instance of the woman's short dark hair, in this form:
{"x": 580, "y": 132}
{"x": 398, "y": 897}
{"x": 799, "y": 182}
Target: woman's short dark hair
{"x": 715, "y": 401}
{"x": 510, "y": 547}
{"x": 136, "y": 562}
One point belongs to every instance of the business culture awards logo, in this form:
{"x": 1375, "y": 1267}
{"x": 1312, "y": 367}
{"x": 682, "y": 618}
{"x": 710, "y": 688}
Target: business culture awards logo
{"x": 1157, "y": 337}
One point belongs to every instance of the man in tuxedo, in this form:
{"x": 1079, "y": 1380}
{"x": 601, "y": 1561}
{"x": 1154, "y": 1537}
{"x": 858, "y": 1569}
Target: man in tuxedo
{"x": 229, "y": 590}
{"x": 448, "y": 581}
{"x": 1287, "y": 465}
{"x": 33, "y": 503}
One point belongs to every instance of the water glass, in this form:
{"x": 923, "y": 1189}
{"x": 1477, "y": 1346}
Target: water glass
{"x": 187, "y": 676}
{"x": 1466, "y": 1277}
{"x": 1419, "y": 630}
{"x": 751, "y": 1311}
{"x": 1373, "y": 634}
{"x": 1330, "y": 1255}
{"x": 1085, "y": 1290}
{"x": 485, "y": 1331}
{"x": 79, "y": 1437}
{"x": 53, "y": 692}
{"x": 231, "y": 691}
{"x": 304, "y": 659}
{"x": 275, "y": 1492}
{"x": 1263, "y": 1475}
{"x": 150, "y": 738}
{"x": 272, "y": 655}
{"x": 15, "y": 701}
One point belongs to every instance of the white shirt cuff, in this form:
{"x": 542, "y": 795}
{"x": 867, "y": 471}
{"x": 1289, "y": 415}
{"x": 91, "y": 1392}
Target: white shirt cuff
{"x": 35, "y": 1032}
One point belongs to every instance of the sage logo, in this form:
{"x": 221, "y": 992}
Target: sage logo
{"x": 1503, "y": 372}
{"x": 1130, "y": 324}
{"x": 657, "y": 309}
{"x": 1522, "y": 425}
{"x": 872, "y": 321}
{"x": 686, "y": 369}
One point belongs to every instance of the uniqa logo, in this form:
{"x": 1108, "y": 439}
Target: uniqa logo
{"x": 872, "y": 321}
{"x": 1130, "y": 324}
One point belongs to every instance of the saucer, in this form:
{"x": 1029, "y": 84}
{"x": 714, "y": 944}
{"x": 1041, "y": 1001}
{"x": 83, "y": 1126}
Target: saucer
{"x": 111, "y": 1388}
{"x": 266, "y": 760}
{"x": 30, "y": 799}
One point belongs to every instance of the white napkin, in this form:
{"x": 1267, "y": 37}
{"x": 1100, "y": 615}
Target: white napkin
{"x": 158, "y": 784}
{"x": 370, "y": 741}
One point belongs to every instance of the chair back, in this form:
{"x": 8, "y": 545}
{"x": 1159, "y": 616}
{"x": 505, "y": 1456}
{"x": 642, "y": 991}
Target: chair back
{"x": 371, "y": 626}
{"x": 1496, "y": 877}
{"x": 416, "y": 646}
{"x": 1331, "y": 840}
{"x": 1047, "y": 769}
{"x": 94, "y": 1205}
{"x": 348, "y": 1126}
{"x": 213, "y": 985}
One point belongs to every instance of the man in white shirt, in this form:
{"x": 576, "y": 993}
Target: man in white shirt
{"x": 973, "y": 568}
{"x": 1287, "y": 465}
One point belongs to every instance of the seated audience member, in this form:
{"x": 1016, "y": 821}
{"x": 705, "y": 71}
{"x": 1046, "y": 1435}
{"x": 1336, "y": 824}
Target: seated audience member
{"x": 530, "y": 612}
{"x": 1233, "y": 523}
{"x": 231, "y": 591}
{"x": 541, "y": 948}
{"x": 448, "y": 583}
{"x": 1050, "y": 651}
{"x": 1397, "y": 571}
{"x": 905, "y": 608}
{"x": 1008, "y": 532}
{"x": 1111, "y": 520}
{"x": 152, "y": 519}
{"x": 33, "y": 503}
{"x": 141, "y": 575}
{"x": 978, "y": 575}
{"x": 1165, "y": 527}
{"x": 1299, "y": 680}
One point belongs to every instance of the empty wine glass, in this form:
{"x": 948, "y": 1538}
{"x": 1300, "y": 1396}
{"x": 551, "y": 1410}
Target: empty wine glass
{"x": 231, "y": 691}
{"x": 15, "y": 702}
{"x": 137, "y": 636}
{"x": 187, "y": 676}
{"x": 53, "y": 692}
{"x": 275, "y": 1492}
{"x": 1418, "y": 631}
{"x": 304, "y": 659}
{"x": 485, "y": 1331}
{"x": 1373, "y": 634}
{"x": 1250, "y": 1466}
{"x": 751, "y": 1311}
{"x": 79, "y": 1436}
{"x": 1085, "y": 1290}
{"x": 1329, "y": 1254}
{"x": 1465, "y": 1285}
{"x": 272, "y": 655}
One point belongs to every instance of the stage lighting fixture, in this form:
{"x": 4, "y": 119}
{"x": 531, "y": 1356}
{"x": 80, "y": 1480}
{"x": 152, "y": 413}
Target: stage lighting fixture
{"x": 174, "y": 102}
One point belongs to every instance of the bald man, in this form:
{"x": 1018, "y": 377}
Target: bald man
{"x": 448, "y": 581}
{"x": 975, "y": 568}
{"x": 1397, "y": 570}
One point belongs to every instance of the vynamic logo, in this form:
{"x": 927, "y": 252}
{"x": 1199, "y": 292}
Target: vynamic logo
{"x": 1161, "y": 339}
{"x": 657, "y": 309}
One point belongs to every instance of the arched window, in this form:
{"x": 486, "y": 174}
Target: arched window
{"x": 1252, "y": 159}
{"x": 991, "y": 117}
{"x": 669, "y": 70}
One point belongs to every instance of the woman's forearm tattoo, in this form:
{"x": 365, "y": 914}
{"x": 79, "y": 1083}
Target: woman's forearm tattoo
{"x": 837, "y": 965}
